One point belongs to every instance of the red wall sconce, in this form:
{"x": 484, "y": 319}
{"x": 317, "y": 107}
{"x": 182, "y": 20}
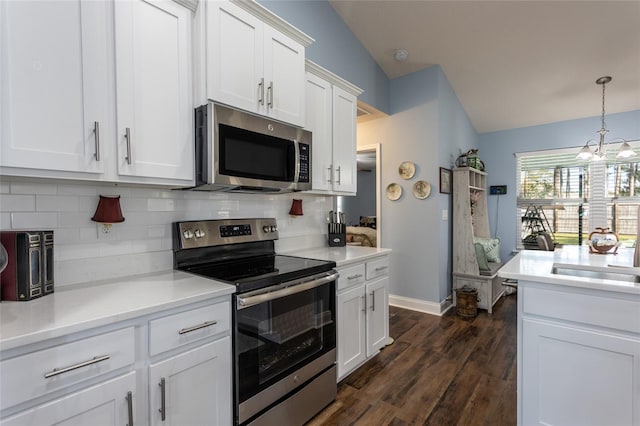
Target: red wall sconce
{"x": 108, "y": 212}
{"x": 296, "y": 208}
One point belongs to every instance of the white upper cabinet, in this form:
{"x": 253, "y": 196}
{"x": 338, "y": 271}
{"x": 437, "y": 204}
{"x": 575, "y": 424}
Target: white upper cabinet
{"x": 54, "y": 85}
{"x": 319, "y": 109}
{"x": 154, "y": 96}
{"x": 344, "y": 141}
{"x": 79, "y": 76}
{"x": 331, "y": 117}
{"x": 255, "y": 61}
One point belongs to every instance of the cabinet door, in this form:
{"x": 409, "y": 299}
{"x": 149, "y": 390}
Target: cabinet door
{"x": 351, "y": 318}
{"x": 377, "y": 315}
{"x": 53, "y": 86}
{"x": 197, "y": 387}
{"x": 344, "y": 141}
{"x": 318, "y": 121}
{"x": 284, "y": 77}
{"x": 106, "y": 404}
{"x": 154, "y": 90}
{"x": 235, "y": 57}
{"x": 574, "y": 376}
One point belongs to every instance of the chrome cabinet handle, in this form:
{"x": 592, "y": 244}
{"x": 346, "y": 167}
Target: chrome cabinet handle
{"x": 94, "y": 360}
{"x": 353, "y": 277}
{"x": 127, "y": 135}
{"x": 96, "y": 135}
{"x": 261, "y": 92}
{"x": 381, "y": 268}
{"x": 163, "y": 408}
{"x": 373, "y": 301}
{"x": 364, "y": 303}
{"x": 129, "y": 399}
{"x": 197, "y": 327}
{"x": 330, "y": 168}
{"x": 339, "y": 175}
{"x": 270, "y": 95}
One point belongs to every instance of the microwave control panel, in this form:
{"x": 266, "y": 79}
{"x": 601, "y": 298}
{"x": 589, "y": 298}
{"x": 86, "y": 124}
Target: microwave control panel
{"x": 304, "y": 162}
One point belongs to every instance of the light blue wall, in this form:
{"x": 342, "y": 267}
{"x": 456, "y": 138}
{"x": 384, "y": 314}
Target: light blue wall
{"x": 497, "y": 151}
{"x": 428, "y": 126}
{"x": 335, "y": 47}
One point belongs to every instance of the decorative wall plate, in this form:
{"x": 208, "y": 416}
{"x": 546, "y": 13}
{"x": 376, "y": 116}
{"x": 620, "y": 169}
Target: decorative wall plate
{"x": 421, "y": 189}
{"x": 407, "y": 169}
{"x": 394, "y": 191}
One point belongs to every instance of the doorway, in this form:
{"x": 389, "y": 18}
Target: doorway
{"x": 363, "y": 210}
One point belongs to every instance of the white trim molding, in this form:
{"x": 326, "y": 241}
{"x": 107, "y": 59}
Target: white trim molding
{"x": 427, "y": 307}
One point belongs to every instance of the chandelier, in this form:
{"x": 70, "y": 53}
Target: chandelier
{"x": 600, "y": 152}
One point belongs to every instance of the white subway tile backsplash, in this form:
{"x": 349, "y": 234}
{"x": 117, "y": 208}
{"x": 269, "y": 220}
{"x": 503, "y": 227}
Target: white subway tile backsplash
{"x": 33, "y": 188}
{"x": 5, "y": 220}
{"x": 34, "y": 220}
{"x": 143, "y": 242}
{"x": 85, "y": 190}
{"x": 18, "y": 203}
{"x": 75, "y": 219}
{"x": 161, "y": 205}
{"x": 56, "y": 203}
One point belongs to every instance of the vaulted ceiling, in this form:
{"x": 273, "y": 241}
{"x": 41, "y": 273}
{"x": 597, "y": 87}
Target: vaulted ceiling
{"x": 511, "y": 63}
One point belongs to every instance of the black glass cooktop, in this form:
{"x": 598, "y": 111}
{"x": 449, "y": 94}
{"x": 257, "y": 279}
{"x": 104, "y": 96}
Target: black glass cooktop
{"x": 256, "y": 272}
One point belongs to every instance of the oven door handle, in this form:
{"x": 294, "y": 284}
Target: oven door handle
{"x": 245, "y": 302}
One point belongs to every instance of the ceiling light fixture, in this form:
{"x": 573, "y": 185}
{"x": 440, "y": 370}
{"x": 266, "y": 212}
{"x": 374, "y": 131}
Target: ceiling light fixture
{"x": 401, "y": 55}
{"x": 600, "y": 152}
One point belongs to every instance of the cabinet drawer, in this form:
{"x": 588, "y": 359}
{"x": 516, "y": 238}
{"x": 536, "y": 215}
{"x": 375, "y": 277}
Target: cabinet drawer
{"x": 23, "y": 377}
{"x": 350, "y": 276}
{"x": 377, "y": 268}
{"x": 185, "y": 327}
{"x": 585, "y": 308}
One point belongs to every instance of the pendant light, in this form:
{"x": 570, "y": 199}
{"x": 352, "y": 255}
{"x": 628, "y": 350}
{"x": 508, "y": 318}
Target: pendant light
{"x": 600, "y": 152}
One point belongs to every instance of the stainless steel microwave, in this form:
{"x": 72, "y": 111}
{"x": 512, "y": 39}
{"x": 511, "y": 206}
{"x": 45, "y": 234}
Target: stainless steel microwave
{"x": 242, "y": 152}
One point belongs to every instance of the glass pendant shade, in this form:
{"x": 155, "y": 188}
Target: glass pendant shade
{"x": 108, "y": 210}
{"x": 585, "y": 153}
{"x": 626, "y": 151}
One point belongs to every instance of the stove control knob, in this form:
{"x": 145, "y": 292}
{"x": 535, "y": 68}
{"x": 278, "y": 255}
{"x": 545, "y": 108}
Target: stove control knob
{"x": 188, "y": 234}
{"x": 274, "y": 228}
{"x": 266, "y": 229}
{"x": 199, "y": 233}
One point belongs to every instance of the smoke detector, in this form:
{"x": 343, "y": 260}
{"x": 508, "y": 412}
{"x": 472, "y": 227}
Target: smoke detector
{"x": 400, "y": 55}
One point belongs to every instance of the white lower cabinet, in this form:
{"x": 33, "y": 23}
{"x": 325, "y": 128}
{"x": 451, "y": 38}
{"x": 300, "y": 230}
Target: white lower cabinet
{"x": 99, "y": 376}
{"x": 192, "y": 388}
{"x": 578, "y": 357}
{"x": 362, "y": 313}
{"x": 107, "y": 404}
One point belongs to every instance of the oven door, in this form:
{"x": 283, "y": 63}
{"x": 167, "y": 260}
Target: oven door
{"x": 284, "y": 336}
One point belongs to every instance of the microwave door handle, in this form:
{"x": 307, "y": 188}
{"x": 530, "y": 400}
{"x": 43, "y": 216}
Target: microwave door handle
{"x": 245, "y": 302}
{"x": 296, "y": 161}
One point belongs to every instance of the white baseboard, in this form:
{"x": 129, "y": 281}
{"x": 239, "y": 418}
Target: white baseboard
{"x": 432, "y": 308}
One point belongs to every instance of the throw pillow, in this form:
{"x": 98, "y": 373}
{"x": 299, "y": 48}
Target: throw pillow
{"x": 481, "y": 257}
{"x": 491, "y": 248}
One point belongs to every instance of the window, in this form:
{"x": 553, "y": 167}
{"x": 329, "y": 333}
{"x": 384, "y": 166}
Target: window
{"x": 569, "y": 197}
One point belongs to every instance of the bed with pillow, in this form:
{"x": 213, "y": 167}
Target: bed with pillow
{"x": 361, "y": 236}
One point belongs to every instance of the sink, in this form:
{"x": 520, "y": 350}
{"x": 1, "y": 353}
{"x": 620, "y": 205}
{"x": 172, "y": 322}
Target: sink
{"x": 604, "y": 273}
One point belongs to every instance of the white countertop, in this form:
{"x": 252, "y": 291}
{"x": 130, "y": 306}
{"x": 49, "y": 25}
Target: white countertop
{"x": 81, "y": 307}
{"x": 536, "y": 265}
{"x": 341, "y": 255}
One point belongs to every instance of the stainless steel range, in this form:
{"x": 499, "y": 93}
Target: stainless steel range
{"x": 284, "y": 331}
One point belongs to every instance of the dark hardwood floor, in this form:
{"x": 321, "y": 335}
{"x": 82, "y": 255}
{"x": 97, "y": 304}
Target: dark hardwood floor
{"x": 439, "y": 371}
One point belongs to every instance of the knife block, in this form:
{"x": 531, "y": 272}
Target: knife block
{"x": 337, "y": 234}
